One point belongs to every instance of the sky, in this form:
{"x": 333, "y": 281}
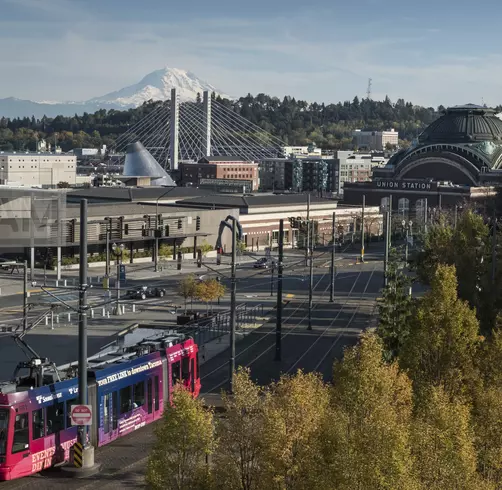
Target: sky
{"x": 429, "y": 52}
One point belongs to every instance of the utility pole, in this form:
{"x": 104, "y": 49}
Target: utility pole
{"x": 307, "y": 248}
{"x": 25, "y": 296}
{"x": 387, "y": 244}
{"x": 278, "y": 325}
{"x": 362, "y": 228}
{"x": 232, "y": 307}
{"x": 311, "y": 281}
{"x": 333, "y": 250}
{"x": 82, "y": 330}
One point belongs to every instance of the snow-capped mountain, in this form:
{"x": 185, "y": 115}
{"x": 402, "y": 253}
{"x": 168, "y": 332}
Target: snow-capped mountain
{"x": 157, "y": 86}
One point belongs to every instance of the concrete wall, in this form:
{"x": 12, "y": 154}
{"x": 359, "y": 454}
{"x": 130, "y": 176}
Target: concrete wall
{"x": 31, "y": 169}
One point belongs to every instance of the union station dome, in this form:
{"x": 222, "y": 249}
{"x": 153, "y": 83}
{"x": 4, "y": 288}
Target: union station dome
{"x": 463, "y": 143}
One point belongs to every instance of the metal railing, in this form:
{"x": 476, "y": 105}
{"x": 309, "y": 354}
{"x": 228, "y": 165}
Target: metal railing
{"x": 208, "y": 328}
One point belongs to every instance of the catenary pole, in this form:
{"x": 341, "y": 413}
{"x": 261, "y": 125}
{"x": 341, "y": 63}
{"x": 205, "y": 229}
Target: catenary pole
{"x": 311, "y": 275}
{"x": 82, "y": 318}
{"x": 362, "y": 228}
{"x": 307, "y": 248}
{"x": 278, "y": 325}
{"x": 333, "y": 272}
{"x": 387, "y": 246}
{"x": 232, "y": 307}
{"x": 25, "y": 295}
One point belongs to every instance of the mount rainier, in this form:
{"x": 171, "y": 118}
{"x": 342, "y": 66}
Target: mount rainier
{"x": 156, "y": 86}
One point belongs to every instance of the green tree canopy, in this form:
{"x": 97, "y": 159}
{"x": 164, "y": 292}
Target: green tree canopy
{"x": 442, "y": 343}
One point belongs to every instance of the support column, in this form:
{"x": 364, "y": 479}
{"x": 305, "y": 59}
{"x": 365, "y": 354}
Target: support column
{"x": 131, "y": 253}
{"x": 195, "y": 245}
{"x": 174, "y": 131}
{"x": 58, "y": 264}
{"x": 206, "y": 143}
{"x": 174, "y": 250}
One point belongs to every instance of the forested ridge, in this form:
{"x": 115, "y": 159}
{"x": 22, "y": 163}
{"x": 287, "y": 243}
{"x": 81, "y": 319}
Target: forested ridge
{"x": 296, "y": 122}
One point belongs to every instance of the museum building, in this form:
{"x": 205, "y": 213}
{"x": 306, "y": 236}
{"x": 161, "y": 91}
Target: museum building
{"x": 456, "y": 158}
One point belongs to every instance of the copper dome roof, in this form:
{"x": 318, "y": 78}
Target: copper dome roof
{"x": 464, "y": 124}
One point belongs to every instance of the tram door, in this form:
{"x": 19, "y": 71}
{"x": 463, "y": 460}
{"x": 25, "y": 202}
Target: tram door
{"x": 153, "y": 396}
{"x": 110, "y": 416}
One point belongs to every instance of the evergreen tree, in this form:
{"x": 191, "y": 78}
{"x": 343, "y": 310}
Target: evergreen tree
{"x": 395, "y": 308}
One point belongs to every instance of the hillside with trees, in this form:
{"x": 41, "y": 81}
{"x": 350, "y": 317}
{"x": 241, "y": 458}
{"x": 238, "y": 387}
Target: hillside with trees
{"x": 296, "y": 122}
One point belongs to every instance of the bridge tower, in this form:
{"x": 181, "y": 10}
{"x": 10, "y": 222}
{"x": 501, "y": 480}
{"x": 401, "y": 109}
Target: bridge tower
{"x": 174, "y": 130}
{"x": 206, "y": 143}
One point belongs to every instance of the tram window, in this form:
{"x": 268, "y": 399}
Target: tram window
{"x": 139, "y": 394}
{"x": 55, "y": 418}
{"x": 4, "y": 424}
{"x": 156, "y": 393}
{"x": 125, "y": 395}
{"x": 69, "y": 403}
{"x": 21, "y": 433}
{"x": 175, "y": 372}
{"x": 37, "y": 419}
{"x": 150, "y": 395}
{"x": 115, "y": 407}
{"x": 185, "y": 369}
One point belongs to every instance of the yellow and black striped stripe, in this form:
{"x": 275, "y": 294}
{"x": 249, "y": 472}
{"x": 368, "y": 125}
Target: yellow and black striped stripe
{"x": 78, "y": 449}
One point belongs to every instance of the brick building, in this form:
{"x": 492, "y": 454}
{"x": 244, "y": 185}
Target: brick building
{"x": 221, "y": 168}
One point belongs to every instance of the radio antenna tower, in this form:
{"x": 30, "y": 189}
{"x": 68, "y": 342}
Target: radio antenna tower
{"x": 368, "y": 91}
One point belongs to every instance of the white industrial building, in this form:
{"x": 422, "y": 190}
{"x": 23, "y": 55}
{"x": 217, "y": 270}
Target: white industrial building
{"x": 376, "y": 140}
{"x": 37, "y": 169}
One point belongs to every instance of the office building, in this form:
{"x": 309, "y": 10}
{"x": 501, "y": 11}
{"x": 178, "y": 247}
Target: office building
{"x": 356, "y": 167}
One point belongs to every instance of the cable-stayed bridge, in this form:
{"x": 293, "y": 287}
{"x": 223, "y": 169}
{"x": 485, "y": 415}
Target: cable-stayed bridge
{"x": 188, "y": 131}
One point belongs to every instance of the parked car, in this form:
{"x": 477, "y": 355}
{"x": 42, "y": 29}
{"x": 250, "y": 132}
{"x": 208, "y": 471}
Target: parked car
{"x": 144, "y": 292}
{"x": 264, "y": 263}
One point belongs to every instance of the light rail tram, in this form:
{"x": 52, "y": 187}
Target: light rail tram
{"x": 129, "y": 383}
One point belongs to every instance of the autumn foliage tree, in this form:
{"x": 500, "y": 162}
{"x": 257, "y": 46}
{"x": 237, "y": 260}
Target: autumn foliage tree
{"x": 184, "y": 439}
{"x": 368, "y": 436}
{"x": 441, "y": 347}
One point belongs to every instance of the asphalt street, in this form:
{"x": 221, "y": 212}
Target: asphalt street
{"x": 334, "y": 326}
